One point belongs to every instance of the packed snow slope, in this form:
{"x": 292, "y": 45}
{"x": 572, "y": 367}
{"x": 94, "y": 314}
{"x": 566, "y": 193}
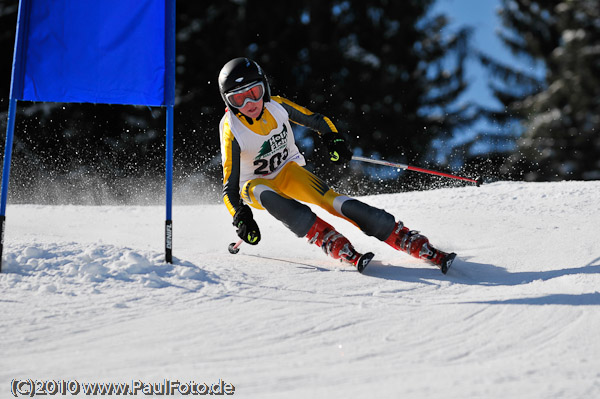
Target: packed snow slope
{"x": 87, "y": 297}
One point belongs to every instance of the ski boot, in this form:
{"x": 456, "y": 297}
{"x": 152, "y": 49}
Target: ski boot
{"x": 418, "y": 246}
{"x": 324, "y": 236}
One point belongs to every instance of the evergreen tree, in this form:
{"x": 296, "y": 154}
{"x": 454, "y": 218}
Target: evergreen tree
{"x": 559, "y": 114}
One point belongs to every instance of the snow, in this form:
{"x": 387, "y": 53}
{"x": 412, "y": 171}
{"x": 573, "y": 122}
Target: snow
{"x": 86, "y": 296}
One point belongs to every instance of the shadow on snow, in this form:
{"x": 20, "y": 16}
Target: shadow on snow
{"x": 472, "y": 273}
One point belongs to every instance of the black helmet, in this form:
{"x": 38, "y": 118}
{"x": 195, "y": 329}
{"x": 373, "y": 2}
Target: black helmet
{"x": 240, "y": 72}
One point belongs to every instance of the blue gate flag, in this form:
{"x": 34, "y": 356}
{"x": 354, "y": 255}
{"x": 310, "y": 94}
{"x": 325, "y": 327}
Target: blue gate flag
{"x": 108, "y": 51}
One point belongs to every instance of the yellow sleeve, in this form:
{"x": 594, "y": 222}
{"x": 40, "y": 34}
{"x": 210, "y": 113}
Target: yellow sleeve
{"x": 230, "y": 160}
{"x": 303, "y": 116}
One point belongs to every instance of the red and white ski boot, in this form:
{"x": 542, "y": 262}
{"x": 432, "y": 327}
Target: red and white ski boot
{"x": 334, "y": 244}
{"x": 418, "y": 246}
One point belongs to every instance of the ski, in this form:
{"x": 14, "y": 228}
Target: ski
{"x": 364, "y": 261}
{"x": 447, "y": 262}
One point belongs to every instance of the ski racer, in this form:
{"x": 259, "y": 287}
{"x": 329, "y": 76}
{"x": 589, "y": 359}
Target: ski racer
{"x": 263, "y": 169}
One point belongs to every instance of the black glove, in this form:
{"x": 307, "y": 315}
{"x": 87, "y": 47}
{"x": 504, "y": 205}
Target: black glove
{"x": 246, "y": 227}
{"x": 338, "y": 149}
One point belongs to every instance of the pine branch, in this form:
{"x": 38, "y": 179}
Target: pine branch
{"x": 507, "y": 73}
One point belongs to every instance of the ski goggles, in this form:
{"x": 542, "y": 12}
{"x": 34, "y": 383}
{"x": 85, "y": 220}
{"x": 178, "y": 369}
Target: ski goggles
{"x": 247, "y": 94}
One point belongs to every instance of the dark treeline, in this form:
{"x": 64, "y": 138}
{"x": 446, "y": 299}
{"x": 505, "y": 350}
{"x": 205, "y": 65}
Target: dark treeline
{"x": 389, "y": 74}
{"x": 557, "y": 114}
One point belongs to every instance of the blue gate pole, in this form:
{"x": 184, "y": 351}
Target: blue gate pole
{"x": 10, "y": 131}
{"x": 170, "y": 16}
{"x": 169, "y": 187}
{"x": 16, "y": 90}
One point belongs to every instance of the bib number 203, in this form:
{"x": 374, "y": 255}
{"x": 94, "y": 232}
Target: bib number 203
{"x": 266, "y": 166}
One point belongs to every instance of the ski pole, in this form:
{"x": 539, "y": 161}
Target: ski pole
{"x": 234, "y": 247}
{"x": 478, "y": 181}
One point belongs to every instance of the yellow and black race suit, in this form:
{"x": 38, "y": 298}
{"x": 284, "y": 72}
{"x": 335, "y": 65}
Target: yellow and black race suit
{"x": 260, "y": 148}
{"x": 263, "y": 166}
